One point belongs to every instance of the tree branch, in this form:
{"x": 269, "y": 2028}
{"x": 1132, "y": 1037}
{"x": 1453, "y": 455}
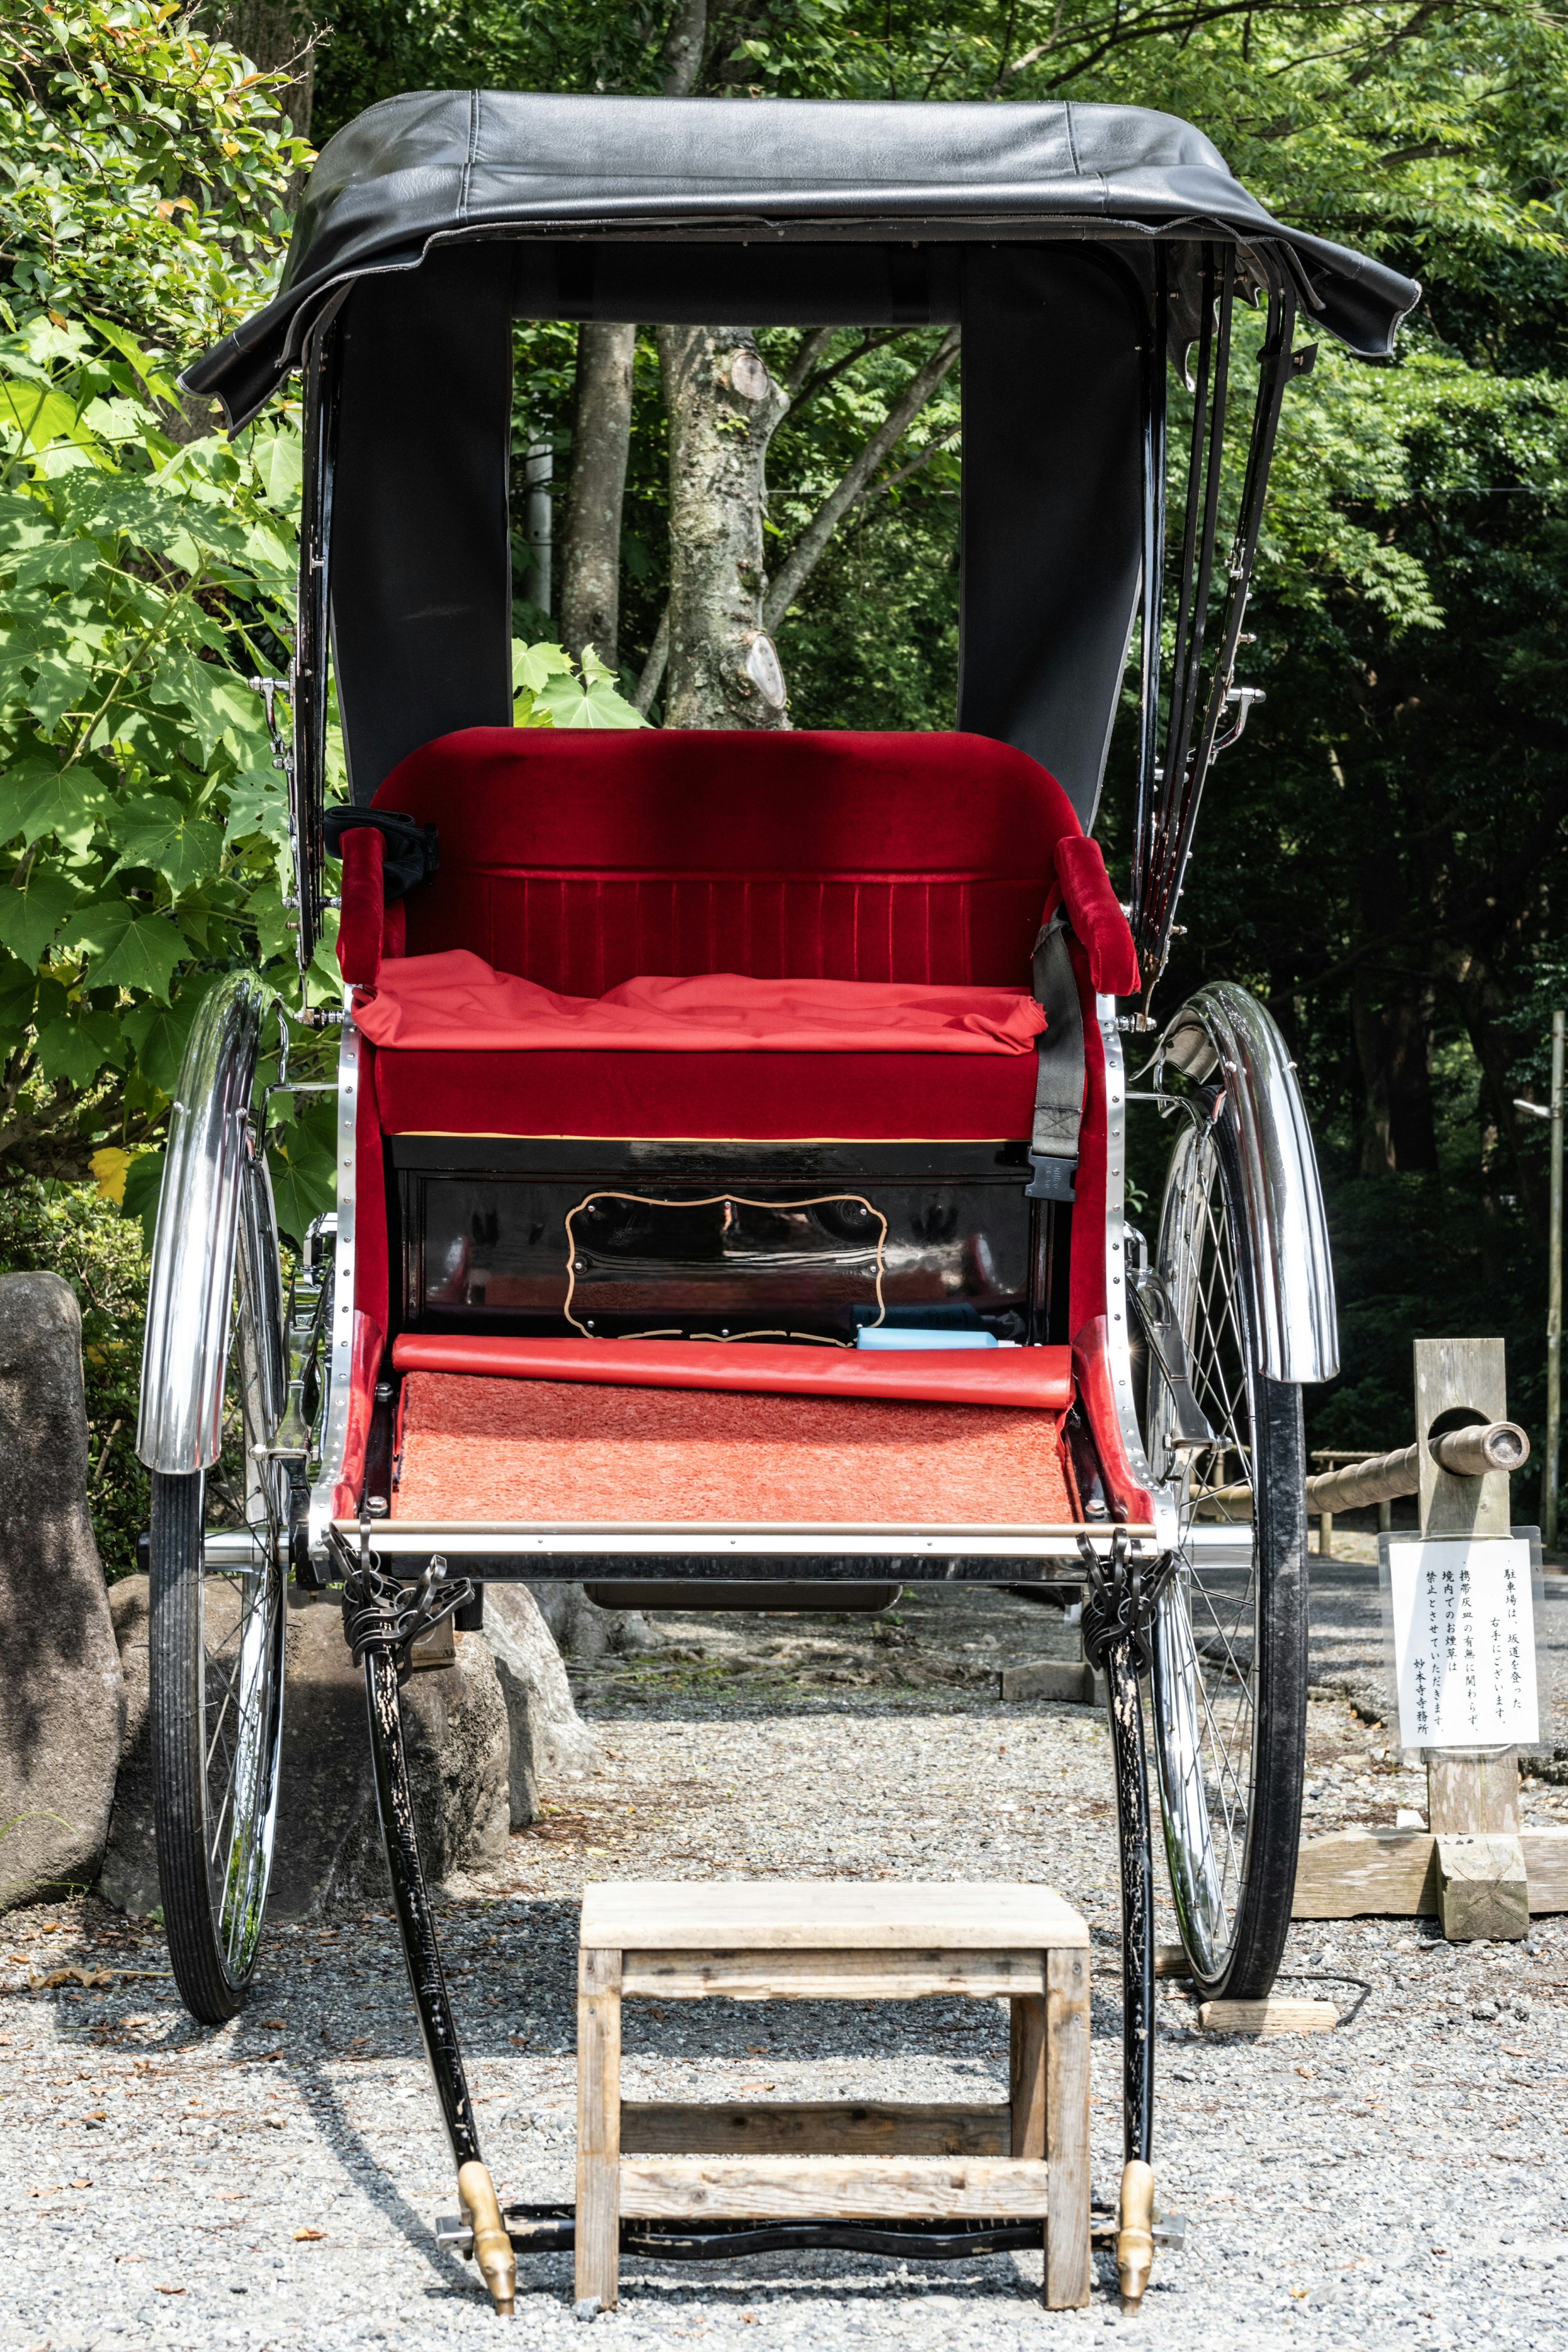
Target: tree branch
{"x": 807, "y": 550}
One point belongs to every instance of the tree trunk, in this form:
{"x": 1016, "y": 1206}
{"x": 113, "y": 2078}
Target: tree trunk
{"x": 723, "y": 409}
{"x": 602, "y": 427}
{"x": 591, "y": 543}
{"x": 1392, "y": 1042}
{"x": 269, "y": 32}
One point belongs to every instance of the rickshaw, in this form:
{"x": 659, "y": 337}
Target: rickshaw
{"x": 683, "y": 1076}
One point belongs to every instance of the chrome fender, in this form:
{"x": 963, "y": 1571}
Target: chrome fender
{"x": 213, "y": 1187}
{"x": 1224, "y": 1036}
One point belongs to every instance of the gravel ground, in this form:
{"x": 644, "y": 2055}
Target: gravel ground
{"x": 1398, "y": 2183}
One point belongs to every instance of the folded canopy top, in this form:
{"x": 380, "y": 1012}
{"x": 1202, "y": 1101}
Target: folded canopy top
{"x": 438, "y": 166}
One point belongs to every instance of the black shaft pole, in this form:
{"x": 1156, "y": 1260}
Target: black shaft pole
{"x": 1137, "y": 1902}
{"x": 415, "y": 1922}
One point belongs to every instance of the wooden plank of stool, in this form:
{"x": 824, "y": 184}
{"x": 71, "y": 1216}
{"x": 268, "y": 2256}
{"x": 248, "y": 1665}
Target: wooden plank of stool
{"x": 832, "y": 1975}
{"x": 1066, "y": 2129}
{"x": 819, "y": 2128}
{"x": 1027, "y": 2076}
{"x": 815, "y": 1915}
{"x": 833, "y": 2187}
{"x": 598, "y": 2127}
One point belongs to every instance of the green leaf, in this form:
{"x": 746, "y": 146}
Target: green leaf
{"x": 37, "y": 799}
{"x": 41, "y": 414}
{"x": 64, "y": 681}
{"x": 157, "y": 383}
{"x": 533, "y": 665}
{"x": 280, "y": 462}
{"x": 79, "y": 1048}
{"x": 258, "y": 802}
{"x": 154, "y": 833}
{"x": 573, "y": 704}
{"x": 130, "y": 949}
{"x": 158, "y": 1035}
{"x": 143, "y": 1182}
{"x": 30, "y": 917}
{"x": 60, "y": 563}
{"x": 304, "y": 1178}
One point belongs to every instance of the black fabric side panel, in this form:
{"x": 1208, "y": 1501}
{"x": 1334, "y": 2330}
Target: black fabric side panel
{"x": 1052, "y": 503}
{"x": 421, "y": 557}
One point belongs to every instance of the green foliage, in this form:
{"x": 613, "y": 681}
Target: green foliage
{"x": 550, "y": 691}
{"x": 143, "y": 583}
{"x": 144, "y": 171}
{"x": 72, "y": 1230}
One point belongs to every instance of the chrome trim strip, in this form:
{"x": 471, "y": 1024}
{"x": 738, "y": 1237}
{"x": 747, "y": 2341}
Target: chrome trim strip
{"x": 340, "y": 1368}
{"x": 1167, "y": 1526}
{"x": 1224, "y": 1027}
{"x": 189, "y": 1291}
{"x": 392, "y": 1540}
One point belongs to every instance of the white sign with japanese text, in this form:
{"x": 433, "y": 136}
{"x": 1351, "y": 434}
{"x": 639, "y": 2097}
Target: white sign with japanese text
{"x": 1464, "y": 1641}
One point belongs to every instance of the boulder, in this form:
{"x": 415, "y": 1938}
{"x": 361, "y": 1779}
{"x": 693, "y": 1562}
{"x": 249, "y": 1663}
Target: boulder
{"x": 62, "y": 1699}
{"x": 129, "y": 1878}
{"x": 580, "y": 1628}
{"x": 328, "y": 1847}
{"x": 548, "y": 1735}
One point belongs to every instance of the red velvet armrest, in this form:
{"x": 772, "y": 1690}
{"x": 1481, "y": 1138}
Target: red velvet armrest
{"x": 363, "y": 907}
{"x": 1096, "y": 916}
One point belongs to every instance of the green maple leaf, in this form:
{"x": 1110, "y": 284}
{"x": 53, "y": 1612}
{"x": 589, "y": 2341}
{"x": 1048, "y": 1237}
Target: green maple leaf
{"x": 130, "y": 949}
{"x": 78, "y": 1048}
{"x": 31, "y": 917}
{"x": 156, "y": 833}
{"x": 37, "y": 798}
{"x": 158, "y": 1033}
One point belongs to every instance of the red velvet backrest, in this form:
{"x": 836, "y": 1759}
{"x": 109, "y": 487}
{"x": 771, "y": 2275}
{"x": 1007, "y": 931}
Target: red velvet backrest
{"x": 579, "y": 858}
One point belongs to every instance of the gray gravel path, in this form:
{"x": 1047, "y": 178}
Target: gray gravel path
{"x": 1399, "y": 2183}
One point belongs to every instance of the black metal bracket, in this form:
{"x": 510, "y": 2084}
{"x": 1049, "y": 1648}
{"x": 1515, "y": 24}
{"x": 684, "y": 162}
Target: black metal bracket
{"x": 383, "y": 1617}
{"x": 1122, "y": 1595}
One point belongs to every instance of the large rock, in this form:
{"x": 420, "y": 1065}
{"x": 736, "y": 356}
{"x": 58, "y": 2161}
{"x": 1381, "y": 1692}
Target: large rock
{"x": 62, "y": 1702}
{"x": 579, "y": 1627}
{"x": 129, "y": 1878}
{"x": 548, "y": 1735}
{"x": 328, "y": 1849}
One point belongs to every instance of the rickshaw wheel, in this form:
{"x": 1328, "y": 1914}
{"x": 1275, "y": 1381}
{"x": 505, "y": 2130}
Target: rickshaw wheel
{"x": 217, "y": 1675}
{"x": 1230, "y": 1640}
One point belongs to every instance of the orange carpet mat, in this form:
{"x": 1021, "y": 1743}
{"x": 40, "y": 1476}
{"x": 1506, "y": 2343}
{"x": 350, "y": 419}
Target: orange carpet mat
{"x": 476, "y": 1447}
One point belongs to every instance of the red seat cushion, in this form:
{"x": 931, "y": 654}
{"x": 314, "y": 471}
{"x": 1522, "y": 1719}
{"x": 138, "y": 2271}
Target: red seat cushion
{"x": 845, "y": 1098}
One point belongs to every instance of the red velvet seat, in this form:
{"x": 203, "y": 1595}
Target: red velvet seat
{"x": 581, "y": 859}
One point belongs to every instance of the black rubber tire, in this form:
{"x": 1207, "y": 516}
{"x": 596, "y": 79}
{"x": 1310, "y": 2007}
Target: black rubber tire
{"x": 1281, "y": 1603}
{"x": 177, "y": 1669}
{"x": 212, "y": 1976}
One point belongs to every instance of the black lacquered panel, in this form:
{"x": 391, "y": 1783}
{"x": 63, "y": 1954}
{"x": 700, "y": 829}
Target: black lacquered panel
{"x": 723, "y": 1250}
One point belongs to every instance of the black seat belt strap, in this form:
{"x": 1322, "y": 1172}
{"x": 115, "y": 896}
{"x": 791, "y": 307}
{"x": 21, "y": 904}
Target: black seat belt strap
{"x": 1059, "y": 1083}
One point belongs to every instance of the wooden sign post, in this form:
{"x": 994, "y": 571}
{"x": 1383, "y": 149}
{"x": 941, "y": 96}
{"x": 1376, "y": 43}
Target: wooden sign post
{"x": 1473, "y": 1866}
{"x": 1472, "y": 1794}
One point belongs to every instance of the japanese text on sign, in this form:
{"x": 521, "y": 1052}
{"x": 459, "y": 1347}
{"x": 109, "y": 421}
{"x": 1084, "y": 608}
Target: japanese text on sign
{"x": 1464, "y": 1643}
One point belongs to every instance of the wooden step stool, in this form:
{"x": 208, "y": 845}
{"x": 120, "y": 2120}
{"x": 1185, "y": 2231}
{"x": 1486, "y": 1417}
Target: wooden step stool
{"x": 815, "y": 1939}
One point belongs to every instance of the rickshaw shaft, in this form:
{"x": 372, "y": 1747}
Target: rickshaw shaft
{"x": 1137, "y": 1858}
{"x": 412, "y": 1902}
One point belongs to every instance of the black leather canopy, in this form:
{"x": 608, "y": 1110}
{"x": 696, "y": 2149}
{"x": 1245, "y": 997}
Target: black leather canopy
{"x": 442, "y": 165}
{"x": 1067, "y": 241}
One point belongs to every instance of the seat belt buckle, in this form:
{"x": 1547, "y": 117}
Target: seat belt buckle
{"x": 1051, "y": 1179}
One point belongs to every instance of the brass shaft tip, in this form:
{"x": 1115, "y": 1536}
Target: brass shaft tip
{"x": 492, "y": 2247}
{"x": 1136, "y": 2236}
